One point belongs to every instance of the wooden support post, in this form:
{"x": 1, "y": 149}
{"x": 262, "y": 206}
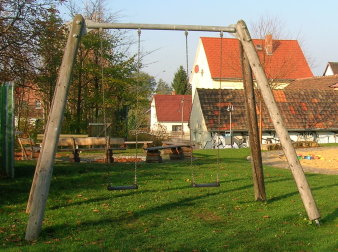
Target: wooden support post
{"x": 109, "y": 156}
{"x": 260, "y": 120}
{"x": 76, "y": 156}
{"x": 109, "y": 152}
{"x": 290, "y": 153}
{"x": 44, "y": 168}
{"x": 255, "y": 146}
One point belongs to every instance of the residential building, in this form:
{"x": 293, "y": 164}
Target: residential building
{"x": 308, "y": 115}
{"x": 283, "y": 62}
{"x": 170, "y": 115}
{"x": 331, "y": 69}
{"x": 328, "y": 82}
{"x": 28, "y": 106}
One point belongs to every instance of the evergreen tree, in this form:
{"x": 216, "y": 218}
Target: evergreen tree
{"x": 180, "y": 83}
{"x": 163, "y": 87}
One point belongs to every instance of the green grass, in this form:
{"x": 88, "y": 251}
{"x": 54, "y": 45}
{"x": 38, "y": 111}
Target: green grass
{"x": 329, "y": 144}
{"x": 166, "y": 214}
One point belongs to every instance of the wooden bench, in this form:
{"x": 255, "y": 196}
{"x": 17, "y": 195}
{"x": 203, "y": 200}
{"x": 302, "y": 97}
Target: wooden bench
{"x": 95, "y": 144}
{"x": 145, "y": 143}
{"x": 76, "y": 145}
{"x": 28, "y": 148}
{"x": 154, "y": 154}
{"x": 39, "y": 137}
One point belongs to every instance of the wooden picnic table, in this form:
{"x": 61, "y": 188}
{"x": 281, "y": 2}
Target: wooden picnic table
{"x": 154, "y": 154}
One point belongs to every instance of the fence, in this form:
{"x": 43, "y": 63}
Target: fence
{"x": 7, "y": 129}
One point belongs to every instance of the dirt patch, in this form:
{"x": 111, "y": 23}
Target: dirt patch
{"x": 317, "y": 160}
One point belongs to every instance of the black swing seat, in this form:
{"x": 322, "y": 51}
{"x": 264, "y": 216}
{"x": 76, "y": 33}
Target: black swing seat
{"x": 126, "y": 187}
{"x": 214, "y": 184}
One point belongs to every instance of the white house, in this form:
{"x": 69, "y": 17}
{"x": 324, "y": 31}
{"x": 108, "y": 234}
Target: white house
{"x": 283, "y": 61}
{"x": 170, "y": 115}
{"x": 331, "y": 69}
{"x": 216, "y": 75}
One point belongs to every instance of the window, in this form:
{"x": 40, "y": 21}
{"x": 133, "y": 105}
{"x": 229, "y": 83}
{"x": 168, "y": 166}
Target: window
{"x": 259, "y": 47}
{"x": 176, "y": 128}
{"x": 37, "y": 104}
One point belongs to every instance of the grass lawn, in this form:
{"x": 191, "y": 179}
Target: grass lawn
{"x": 166, "y": 214}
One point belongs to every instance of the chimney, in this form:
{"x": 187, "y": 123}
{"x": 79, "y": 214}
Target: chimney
{"x": 268, "y": 44}
{"x": 173, "y": 93}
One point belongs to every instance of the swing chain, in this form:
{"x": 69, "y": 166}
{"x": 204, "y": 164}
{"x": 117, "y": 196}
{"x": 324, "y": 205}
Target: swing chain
{"x": 137, "y": 103}
{"x": 219, "y": 103}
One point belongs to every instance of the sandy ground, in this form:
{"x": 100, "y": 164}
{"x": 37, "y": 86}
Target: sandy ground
{"x": 325, "y": 159}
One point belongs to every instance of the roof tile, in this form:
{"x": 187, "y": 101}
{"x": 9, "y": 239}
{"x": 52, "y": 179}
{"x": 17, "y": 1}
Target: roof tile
{"x": 304, "y": 109}
{"x": 169, "y": 107}
{"x": 321, "y": 82}
{"x": 286, "y": 62}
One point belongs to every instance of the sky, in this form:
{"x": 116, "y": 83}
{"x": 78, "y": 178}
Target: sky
{"x": 313, "y": 23}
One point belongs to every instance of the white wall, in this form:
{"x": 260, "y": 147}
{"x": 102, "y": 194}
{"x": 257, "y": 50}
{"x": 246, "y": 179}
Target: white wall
{"x": 153, "y": 116}
{"x": 198, "y": 129}
{"x": 201, "y": 79}
{"x": 327, "y": 137}
{"x": 328, "y": 71}
{"x": 319, "y": 137}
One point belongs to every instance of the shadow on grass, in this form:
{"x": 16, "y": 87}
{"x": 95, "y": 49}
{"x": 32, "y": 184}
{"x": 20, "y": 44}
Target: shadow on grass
{"x": 281, "y": 197}
{"x": 331, "y": 217}
{"x": 142, "y": 191}
{"x": 186, "y": 202}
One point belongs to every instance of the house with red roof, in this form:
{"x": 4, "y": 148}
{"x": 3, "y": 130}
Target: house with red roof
{"x": 308, "y": 104}
{"x": 170, "y": 115}
{"x": 328, "y": 82}
{"x": 283, "y": 62}
{"x": 308, "y": 115}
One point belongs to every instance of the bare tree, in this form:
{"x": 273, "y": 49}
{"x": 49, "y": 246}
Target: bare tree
{"x": 18, "y": 32}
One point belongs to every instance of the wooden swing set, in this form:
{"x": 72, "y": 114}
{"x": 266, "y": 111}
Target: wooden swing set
{"x": 250, "y": 63}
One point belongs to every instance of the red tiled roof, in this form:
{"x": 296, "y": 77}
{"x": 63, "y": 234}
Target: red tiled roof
{"x": 300, "y": 109}
{"x": 286, "y": 62}
{"x": 169, "y": 107}
{"x": 323, "y": 82}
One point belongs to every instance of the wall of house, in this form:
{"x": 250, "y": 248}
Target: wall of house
{"x": 319, "y": 137}
{"x": 153, "y": 117}
{"x": 202, "y": 77}
{"x": 169, "y": 129}
{"x": 198, "y": 129}
{"x": 327, "y": 137}
{"x": 328, "y": 71}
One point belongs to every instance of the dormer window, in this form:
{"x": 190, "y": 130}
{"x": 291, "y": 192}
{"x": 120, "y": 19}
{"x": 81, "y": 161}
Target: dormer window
{"x": 37, "y": 104}
{"x": 259, "y": 47}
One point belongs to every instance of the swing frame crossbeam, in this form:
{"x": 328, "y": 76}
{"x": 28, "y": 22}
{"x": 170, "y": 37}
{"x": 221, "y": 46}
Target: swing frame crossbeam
{"x": 164, "y": 27}
{"x": 44, "y": 168}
